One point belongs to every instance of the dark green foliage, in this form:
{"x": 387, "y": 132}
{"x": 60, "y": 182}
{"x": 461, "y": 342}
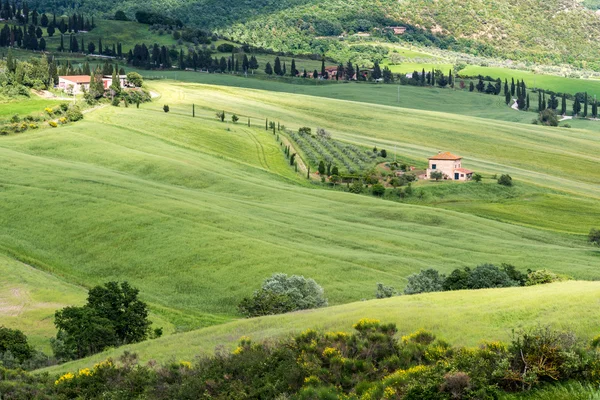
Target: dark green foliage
{"x": 477, "y": 177}
{"x": 594, "y": 236}
{"x": 505, "y": 180}
{"x": 437, "y": 175}
{"x": 489, "y": 276}
{"x": 112, "y": 316}
{"x": 548, "y": 117}
{"x": 382, "y": 291}
{"x": 15, "y": 342}
{"x": 120, "y": 16}
{"x": 378, "y": 189}
{"x": 335, "y": 170}
{"x": 425, "y": 281}
{"x": 166, "y": 108}
{"x": 321, "y": 168}
{"x": 283, "y": 293}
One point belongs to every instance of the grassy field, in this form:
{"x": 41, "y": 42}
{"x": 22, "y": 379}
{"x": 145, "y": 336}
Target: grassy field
{"x": 196, "y": 213}
{"x": 462, "y": 318}
{"x": 23, "y": 107}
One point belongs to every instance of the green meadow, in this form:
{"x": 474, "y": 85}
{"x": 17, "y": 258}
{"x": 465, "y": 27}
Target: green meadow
{"x": 462, "y": 318}
{"x": 196, "y": 213}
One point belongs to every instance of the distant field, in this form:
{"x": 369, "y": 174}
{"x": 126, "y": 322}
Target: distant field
{"x": 462, "y": 318}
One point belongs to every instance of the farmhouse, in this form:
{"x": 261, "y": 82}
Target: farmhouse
{"x": 450, "y": 166}
{"x": 76, "y": 84}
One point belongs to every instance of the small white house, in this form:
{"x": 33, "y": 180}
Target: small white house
{"x": 450, "y": 166}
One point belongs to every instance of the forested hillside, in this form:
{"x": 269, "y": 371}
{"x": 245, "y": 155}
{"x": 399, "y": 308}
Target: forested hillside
{"x": 553, "y": 31}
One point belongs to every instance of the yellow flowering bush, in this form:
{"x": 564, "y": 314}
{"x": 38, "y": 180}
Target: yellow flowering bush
{"x": 62, "y": 120}
{"x": 85, "y": 372}
{"x": 336, "y": 335}
{"x": 64, "y": 378}
{"x": 33, "y": 126}
{"x": 185, "y": 364}
{"x": 331, "y": 352}
{"x": 366, "y": 324}
{"x": 421, "y": 336}
{"x": 106, "y": 364}
{"x": 52, "y": 124}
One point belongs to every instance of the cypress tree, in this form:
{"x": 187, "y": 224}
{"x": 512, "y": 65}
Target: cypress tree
{"x": 576, "y": 107}
{"x": 293, "y": 71}
{"x": 323, "y": 67}
{"x": 266, "y": 124}
{"x": 512, "y": 87}
{"x": 527, "y": 104}
{"x": 563, "y": 106}
{"x": 540, "y": 101}
{"x": 507, "y": 97}
{"x": 585, "y": 105}
{"x": 506, "y": 91}
{"x": 450, "y": 79}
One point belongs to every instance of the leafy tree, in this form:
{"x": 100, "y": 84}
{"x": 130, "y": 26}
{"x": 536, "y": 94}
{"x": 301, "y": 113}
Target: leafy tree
{"x": 548, "y": 117}
{"x": 505, "y": 180}
{"x": 120, "y": 16}
{"x": 376, "y": 74}
{"x": 81, "y": 332}
{"x": 388, "y": 77}
{"x": 514, "y": 274}
{"x": 166, "y": 108}
{"x": 378, "y": 189}
{"x": 234, "y": 119}
{"x": 442, "y": 81}
{"x": 459, "y": 279}
{"x": 277, "y": 67}
{"x": 334, "y": 170}
{"x": 437, "y": 175}
{"x": 321, "y": 168}
{"x": 477, "y": 177}
{"x": 15, "y": 341}
{"x": 425, "y": 281}
{"x": 480, "y": 85}
{"x": 135, "y": 79}
{"x": 119, "y": 303}
{"x": 283, "y": 293}
{"x": 489, "y": 276}
{"x": 349, "y": 71}
{"x": 382, "y": 291}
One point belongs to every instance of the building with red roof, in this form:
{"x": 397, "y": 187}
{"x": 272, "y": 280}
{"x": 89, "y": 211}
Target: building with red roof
{"x": 450, "y": 166}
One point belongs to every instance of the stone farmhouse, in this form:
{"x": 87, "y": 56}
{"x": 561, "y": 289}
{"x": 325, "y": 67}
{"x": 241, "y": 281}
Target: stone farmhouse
{"x": 450, "y": 166}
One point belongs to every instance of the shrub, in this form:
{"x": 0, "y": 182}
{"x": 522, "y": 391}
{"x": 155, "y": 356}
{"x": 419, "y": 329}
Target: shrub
{"x": 489, "y": 276}
{"x": 116, "y": 101}
{"x": 112, "y": 316}
{"x": 543, "y": 276}
{"x": 120, "y": 16}
{"x": 74, "y": 114}
{"x": 33, "y": 126}
{"x": 594, "y": 236}
{"x": 356, "y": 187}
{"x": 477, "y": 177}
{"x": 15, "y": 119}
{"x": 283, "y": 292}
{"x": 63, "y": 120}
{"x": 505, "y": 180}
{"x": 135, "y": 79}
{"x": 437, "y": 175}
{"x": 378, "y": 189}
{"x": 15, "y": 342}
{"x": 425, "y": 281}
{"x": 382, "y": 291}
{"x": 234, "y": 118}
{"x": 52, "y": 124}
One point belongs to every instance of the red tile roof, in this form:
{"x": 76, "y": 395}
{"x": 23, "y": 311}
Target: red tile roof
{"x": 463, "y": 171}
{"x": 76, "y": 78}
{"x": 445, "y": 156}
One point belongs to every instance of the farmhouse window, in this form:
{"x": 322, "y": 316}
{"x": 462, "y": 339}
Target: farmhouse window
{"x": 433, "y": 166}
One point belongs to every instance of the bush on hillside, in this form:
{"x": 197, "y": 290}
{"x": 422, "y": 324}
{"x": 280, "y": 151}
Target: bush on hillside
{"x": 120, "y": 16}
{"x": 382, "y": 291}
{"x": 543, "y": 276}
{"x": 425, "y": 281}
{"x": 505, "y": 180}
{"x": 282, "y": 293}
{"x": 135, "y": 79}
{"x": 368, "y": 363}
{"x": 112, "y": 316}
{"x": 489, "y": 276}
{"x": 74, "y": 114}
{"x": 378, "y": 189}
{"x": 166, "y": 108}
{"x": 548, "y": 117}
{"x": 15, "y": 342}
{"x": 594, "y": 236}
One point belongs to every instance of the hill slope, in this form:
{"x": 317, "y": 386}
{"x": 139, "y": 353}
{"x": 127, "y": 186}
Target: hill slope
{"x": 196, "y": 213}
{"x": 462, "y": 318}
{"x": 546, "y": 31}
